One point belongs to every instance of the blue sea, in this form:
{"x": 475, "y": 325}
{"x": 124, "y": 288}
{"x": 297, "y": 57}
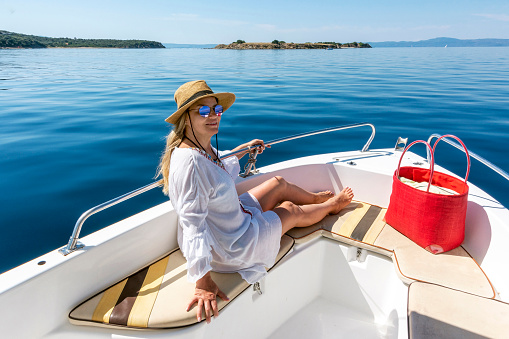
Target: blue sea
{"x": 82, "y": 126}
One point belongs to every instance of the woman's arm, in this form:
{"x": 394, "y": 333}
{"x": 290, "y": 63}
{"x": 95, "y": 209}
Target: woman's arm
{"x": 205, "y": 294}
{"x": 250, "y": 143}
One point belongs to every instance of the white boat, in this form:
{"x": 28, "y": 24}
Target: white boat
{"x": 335, "y": 281}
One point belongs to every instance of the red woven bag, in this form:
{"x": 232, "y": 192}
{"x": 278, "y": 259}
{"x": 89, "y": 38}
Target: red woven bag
{"x": 433, "y": 221}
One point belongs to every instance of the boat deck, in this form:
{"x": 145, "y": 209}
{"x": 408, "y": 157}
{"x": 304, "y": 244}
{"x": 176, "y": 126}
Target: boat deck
{"x": 360, "y": 226}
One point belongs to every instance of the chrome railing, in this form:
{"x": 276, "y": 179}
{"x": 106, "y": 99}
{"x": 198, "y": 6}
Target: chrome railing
{"x": 472, "y": 154}
{"x": 252, "y": 159}
{"x": 74, "y": 243}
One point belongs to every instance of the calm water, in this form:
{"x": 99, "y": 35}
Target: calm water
{"x": 82, "y": 126}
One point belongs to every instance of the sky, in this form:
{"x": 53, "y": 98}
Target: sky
{"x": 225, "y": 21}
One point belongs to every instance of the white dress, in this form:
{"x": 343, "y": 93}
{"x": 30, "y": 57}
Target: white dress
{"x": 219, "y": 230}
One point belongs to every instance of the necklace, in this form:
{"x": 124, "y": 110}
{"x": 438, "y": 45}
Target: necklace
{"x": 206, "y": 155}
{"x": 202, "y": 149}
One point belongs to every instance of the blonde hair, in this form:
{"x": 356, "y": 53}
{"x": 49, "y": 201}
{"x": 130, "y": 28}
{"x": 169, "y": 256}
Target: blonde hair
{"x": 174, "y": 139}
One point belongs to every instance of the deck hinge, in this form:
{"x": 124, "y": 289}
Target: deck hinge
{"x": 356, "y": 254}
{"x": 257, "y": 288}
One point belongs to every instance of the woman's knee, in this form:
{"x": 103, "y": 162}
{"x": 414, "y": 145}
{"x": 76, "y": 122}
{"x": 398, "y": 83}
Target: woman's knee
{"x": 287, "y": 210}
{"x": 289, "y": 214}
{"x": 280, "y": 182}
{"x": 270, "y": 193}
{"x": 292, "y": 208}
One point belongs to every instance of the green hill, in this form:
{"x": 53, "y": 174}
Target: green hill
{"x": 16, "y": 40}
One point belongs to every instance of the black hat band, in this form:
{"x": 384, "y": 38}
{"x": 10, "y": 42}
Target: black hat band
{"x": 195, "y": 96}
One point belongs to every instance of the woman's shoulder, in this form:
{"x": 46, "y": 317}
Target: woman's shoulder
{"x": 183, "y": 151}
{"x": 187, "y": 156}
{"x": 184, "y": 156}
{"x": 185, "y": 163}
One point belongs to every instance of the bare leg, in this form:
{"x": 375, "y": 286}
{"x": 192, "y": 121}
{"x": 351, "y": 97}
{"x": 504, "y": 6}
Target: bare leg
{"x": 275, "y": 190}
{"x": 293, "y": 215}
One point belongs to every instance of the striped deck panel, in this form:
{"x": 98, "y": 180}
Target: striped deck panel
{"x": 358, "y": 221}
{"x": 130, "y": 302}
{"x": 157, "y": 296}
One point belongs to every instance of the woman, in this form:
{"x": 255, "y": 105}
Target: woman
{"x": 219, "y": 230}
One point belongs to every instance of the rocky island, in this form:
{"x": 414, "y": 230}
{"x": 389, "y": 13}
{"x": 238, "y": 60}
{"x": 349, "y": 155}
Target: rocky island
{"x": 276, "y": 44}
{"x": 17, "y": 40}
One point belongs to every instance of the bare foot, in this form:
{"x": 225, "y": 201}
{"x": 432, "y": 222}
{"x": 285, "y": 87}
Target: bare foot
{"x": 323, "y": 196}
{"x": 341, "y": 200}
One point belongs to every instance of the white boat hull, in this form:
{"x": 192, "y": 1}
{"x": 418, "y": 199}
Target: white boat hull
{"x": 318, "y": 290}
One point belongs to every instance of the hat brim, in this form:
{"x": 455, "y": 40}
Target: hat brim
{"x": 224, "y": 99}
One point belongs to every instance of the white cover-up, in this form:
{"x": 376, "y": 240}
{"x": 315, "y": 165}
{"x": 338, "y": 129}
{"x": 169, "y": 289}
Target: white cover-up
{"x": 219, "y": 230}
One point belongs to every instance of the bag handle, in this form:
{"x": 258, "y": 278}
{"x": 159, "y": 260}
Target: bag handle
{"x": 462, "y": 144}
{"x": 431, "y": 164}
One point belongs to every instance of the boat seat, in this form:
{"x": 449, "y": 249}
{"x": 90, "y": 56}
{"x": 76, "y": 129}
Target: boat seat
{"x": 362, "y": 225}
{"x": 156, "y": 297}
{"x": 454, "y": 269}
{"x": 439, "y": 312}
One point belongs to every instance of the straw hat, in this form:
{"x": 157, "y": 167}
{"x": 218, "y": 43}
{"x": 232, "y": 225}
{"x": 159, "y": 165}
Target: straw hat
{"x": 190, "y": 92}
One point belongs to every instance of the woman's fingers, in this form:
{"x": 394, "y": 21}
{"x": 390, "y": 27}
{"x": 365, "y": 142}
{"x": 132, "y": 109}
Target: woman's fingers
{"x": 199, "y": 310}
{"x": 259, "y": 143}
{"x": 205, "y": 294}
{"x": 262, "y": 147}
{"x": 213, "y": 303}
{"x": 207, "y": 310}
{"x": 208, "y": 304}
{"x": 194, "y": 301}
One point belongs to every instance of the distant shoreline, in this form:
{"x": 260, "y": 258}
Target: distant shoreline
{"x": 10, "y": 40}
{"x": 18, "y": 48}
{"x": 69, "y": 48}
{"x": 240, "y": 44}
{"x": 444, "y": 42}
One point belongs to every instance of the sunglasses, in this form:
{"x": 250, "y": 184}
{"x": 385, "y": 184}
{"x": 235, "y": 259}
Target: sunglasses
{"x": 205, "y": 110}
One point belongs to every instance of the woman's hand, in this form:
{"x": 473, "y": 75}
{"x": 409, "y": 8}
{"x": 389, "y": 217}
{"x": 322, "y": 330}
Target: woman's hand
{"x": 252, "y": 143}
{"x": 205, "y": 295}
